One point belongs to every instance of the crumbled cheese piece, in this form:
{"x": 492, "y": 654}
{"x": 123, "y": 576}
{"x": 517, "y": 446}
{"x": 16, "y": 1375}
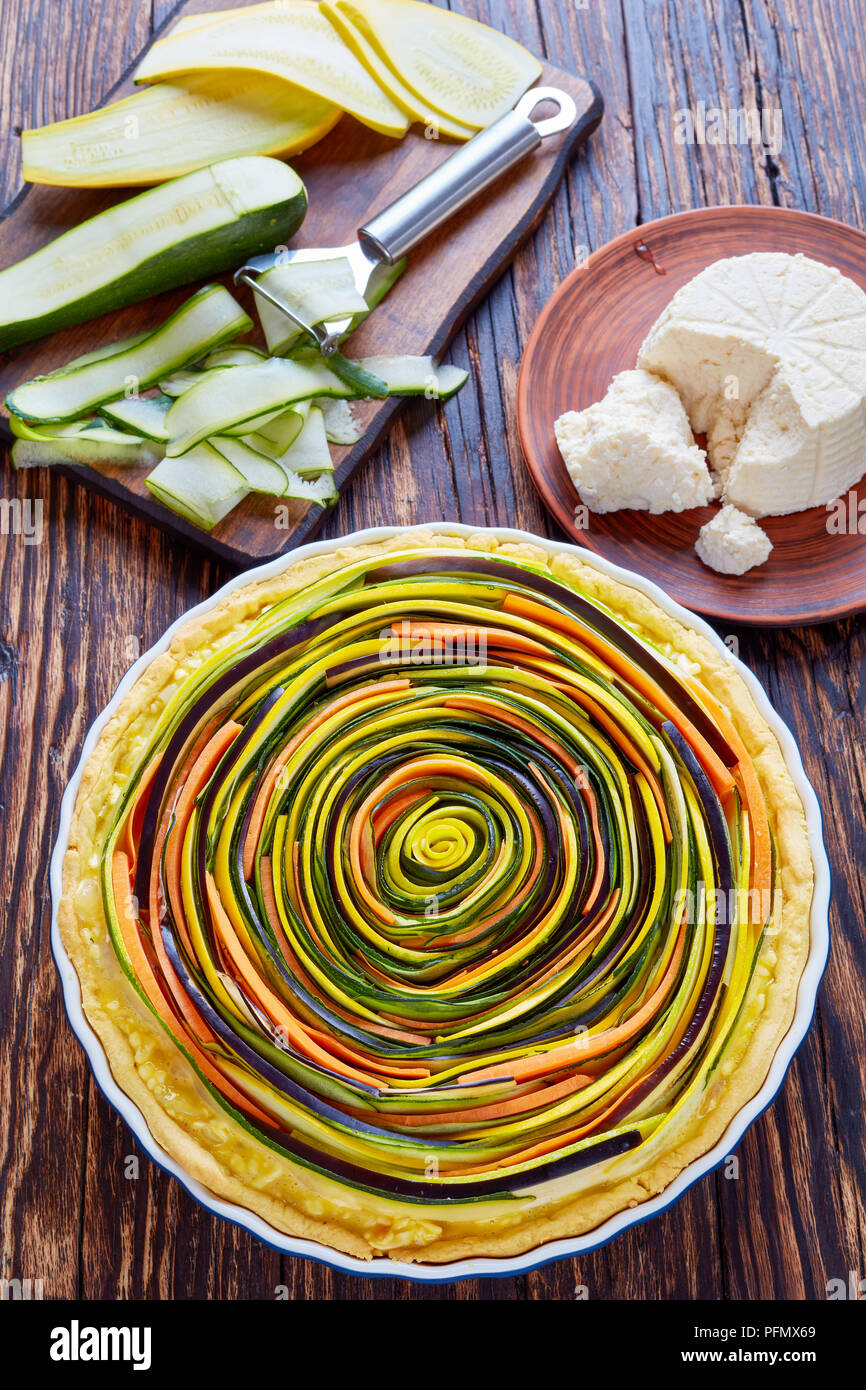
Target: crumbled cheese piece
{"x": 635, "y": 449}
{"x": 732, "y": 542}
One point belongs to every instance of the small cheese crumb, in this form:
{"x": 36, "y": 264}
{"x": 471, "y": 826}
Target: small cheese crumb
{"x": 635, "y": 449}
{"x": 732, "y": 542}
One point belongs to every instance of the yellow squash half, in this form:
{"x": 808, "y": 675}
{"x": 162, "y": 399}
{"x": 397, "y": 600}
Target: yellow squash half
{"x": 176, "y": 127}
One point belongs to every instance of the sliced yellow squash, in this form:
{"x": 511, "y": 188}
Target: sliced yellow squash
{"x": 466, "y": 70}
{"x": 288, "y": 39}
{"x": 388, "y": 79}
{"x": 176, "y": 127}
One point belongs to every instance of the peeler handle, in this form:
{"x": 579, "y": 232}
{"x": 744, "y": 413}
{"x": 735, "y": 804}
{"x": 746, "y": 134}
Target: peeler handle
{"x": 480, "y": 162}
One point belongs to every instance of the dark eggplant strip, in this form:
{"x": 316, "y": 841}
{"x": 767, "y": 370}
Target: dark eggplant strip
{"x": 716, "y": 823}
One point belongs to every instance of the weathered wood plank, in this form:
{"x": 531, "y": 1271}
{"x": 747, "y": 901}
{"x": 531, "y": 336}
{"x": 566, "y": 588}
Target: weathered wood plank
{"x": 70, "y": 608}
{"x": 57, "y": 61}
{"x": 793, "y": 1184}
{"x": 817, "y": 678}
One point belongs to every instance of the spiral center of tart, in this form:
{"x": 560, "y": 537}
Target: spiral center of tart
{"x": 443, "y": 840}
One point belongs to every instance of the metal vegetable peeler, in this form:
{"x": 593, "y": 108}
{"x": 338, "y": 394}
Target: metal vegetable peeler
{"x": 384, "y": 240}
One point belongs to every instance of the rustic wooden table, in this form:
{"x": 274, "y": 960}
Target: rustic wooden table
{"x": 74, "y": 610}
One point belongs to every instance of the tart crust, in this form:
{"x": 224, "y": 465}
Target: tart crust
{"x": 214, "y": 1150}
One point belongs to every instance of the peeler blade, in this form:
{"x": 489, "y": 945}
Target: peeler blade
{"x": 326, "y": 335}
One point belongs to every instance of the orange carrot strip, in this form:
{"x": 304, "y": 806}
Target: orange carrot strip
{"x": 196, "y": 1024}
{"x": 130, "y": 835}
{"x": 384, "y": 818}
{"x": 480, "y": 705}
{"x": 631, "y": 751}
{"x": 583, "y": 943}
{"x": 420, "y": 767}
{"x": 264, "y": 793}
{"x": 496, "y": 637}
{"x": 130, "y": 931}
{"x": 199, "y": 775}
{"x": 529, "y": 1068}
{"x": 301, "y": 974}
{"x": 343, "y": 1050}
{"x": 559, "y": 1140}
{"x": 517, "y": 1105}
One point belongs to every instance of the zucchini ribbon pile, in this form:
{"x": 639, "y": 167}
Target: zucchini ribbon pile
{"x": 445, "y": 882}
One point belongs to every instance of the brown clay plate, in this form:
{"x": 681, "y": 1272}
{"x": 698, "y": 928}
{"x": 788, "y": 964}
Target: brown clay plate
{"x": 592, "y": 328}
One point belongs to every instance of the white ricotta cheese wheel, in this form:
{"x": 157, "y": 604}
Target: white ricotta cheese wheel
{"x": 768, "y": 353}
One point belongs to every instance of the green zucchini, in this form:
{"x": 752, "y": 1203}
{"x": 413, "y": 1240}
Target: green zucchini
{"x": 382, "y": 280}
{"x": 178, "y": 382}
{"x": 91, "y": 442}
{"x": 246, "y": 427}
{"x": 203, "y": 486}
{"x": 416, "y": 376}
{"x": 274, "y": 436}
{"x": 234, "y": 355}
{"x": 340, "y": 424}
{"x": 90, "y": 428}
{"x": 266, "y": 475}
{"x": 309, "y": 453}
{"x": 144, "y": 415}
{"x": 188, "y": 229}
{"x": 97, "y": 354}
{"x": 322, "y": 489}
{"x": 210, "y": 317}
{"x": 27, "y": 453}
{"x": 317, "y": 291}
{"x": 261, "y": 474}
{"x": 232, "y": 395}
{"x": 355, "y": 375}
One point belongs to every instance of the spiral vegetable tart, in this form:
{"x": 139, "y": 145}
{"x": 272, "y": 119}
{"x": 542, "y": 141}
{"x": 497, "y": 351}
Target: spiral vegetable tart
{"x": 438, "y": 897}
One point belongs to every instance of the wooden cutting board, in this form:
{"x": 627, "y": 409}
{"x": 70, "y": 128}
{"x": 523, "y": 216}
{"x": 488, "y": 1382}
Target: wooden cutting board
{"x": 350, "y": 175}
